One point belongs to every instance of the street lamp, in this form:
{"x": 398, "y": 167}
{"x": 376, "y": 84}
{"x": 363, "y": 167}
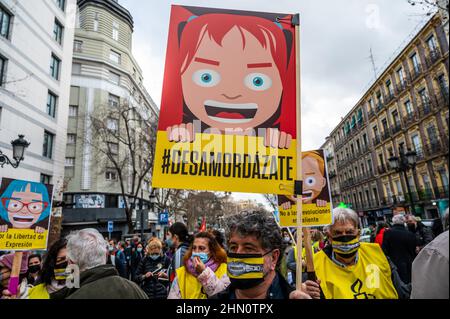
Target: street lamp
{"x": 19, "y": 145}
{"x": 401, "y": 165}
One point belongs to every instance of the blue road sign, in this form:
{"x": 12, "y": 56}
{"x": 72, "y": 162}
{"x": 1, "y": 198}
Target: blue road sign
{"x": 163, "y": 218}
{"x": 110, "y": 226}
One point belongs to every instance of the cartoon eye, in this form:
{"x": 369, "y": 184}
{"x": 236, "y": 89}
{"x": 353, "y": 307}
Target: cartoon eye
{"x": 310, "y": 181}
{"x": 258, "y": 81}
{"x": 206, "y": 78}
{"x": 35, "y": 207}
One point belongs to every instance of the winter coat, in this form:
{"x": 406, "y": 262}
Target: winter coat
{"x": 400, "y": 246}
{"x": 177, "y": 260}
{"x": 379, "y": 237}
{"x": 121, "y": 264}
{"x": 423, "y": 234}
{"x": 154, "y": 288}
{"x": 102, "y": 282}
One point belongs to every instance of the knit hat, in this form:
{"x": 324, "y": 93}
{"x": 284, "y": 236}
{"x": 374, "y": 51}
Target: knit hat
{"x": 7, "y": 261}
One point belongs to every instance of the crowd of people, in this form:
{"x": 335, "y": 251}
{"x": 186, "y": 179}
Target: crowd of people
{"x": 254, "y": 259}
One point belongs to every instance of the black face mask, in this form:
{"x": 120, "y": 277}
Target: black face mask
{"x": 346, "y": 246}
{"x": 245, "y": 270}
{"x": 34, "y": 269}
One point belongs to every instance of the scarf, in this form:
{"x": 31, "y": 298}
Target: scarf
{"x": 209, "y": 264}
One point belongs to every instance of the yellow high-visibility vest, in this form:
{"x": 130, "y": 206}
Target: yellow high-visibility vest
{"x": 38, "y": 292}
{"x": 190, "y": 287}
{"x": 369, "y": 278}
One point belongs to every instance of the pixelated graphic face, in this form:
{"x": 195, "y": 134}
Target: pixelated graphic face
{"x": 313, "y": 180}
{"x": 24, "y": 208}
{"x": 232, "y": 85}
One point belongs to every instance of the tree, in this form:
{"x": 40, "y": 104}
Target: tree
{"x": 124, "y": 137}
{"x": 272, "y": 200}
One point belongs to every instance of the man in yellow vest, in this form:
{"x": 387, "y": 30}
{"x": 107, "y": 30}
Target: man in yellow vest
{"x": 350, "y": 269}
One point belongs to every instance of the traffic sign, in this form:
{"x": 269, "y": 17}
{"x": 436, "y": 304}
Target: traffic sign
{"x": 110, "y": 226}
{"x": 163, "y": 218}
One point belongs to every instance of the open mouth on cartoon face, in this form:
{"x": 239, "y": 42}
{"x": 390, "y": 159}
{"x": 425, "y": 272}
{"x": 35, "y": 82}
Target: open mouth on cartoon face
{"x": 233, "y": 113}
{"x": 23, "y": 219}
{"x": 306, "y": 195}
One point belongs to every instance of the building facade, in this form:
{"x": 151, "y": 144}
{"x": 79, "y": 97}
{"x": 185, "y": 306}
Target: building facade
{"x": 105, "y": 77}
{"x": 406, "y": 108}
{"x": 36, "y": 39}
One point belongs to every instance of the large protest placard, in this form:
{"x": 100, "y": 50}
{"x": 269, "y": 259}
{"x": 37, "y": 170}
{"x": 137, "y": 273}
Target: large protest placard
{"x": 25, "y": 209}
{"x": 316, "y": 197}
{"x": 228, "y": 108}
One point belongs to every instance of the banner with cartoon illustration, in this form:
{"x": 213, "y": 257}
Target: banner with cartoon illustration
{"x": 316, "y": 197}
{"x": 228, "y": 108}
{"x": 25, "y": 209}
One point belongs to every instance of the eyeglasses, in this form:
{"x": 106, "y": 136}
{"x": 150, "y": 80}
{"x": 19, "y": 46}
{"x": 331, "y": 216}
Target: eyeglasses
{"x": 14, "y": 206}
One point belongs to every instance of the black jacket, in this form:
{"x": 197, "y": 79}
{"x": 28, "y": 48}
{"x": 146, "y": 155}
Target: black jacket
{"x": 279, "y": 289}
{"x": 424, "y": 234}
{"x": 102, "y": 282}
{"x": 154, "y": 288}
{"x": 400, "y": 246}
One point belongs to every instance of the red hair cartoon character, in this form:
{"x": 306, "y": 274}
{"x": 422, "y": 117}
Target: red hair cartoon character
{"x": 235, "y": 73}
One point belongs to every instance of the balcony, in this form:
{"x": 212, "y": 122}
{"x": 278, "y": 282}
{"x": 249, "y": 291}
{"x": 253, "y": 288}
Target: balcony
{"x": 416, "y": 72}
{"x": 396, "y": 128}
{"x": 376, "y": 140}
{"x": 441, "y": 192}
{"x": 389, "y": 98}
{"x": 401, "y": 86}
{"x": 371, "y": 113}
{"x": 382, "y": 169}
{"x": 432, "y": 58}
{"x": 379, "y": 107}
{"x": 443, "y": 99}
{"x": 425, "y": 108}
{"x": 410, "y": 118}
{"x": 435, "y": 147}
{"x": 385, "y": 134}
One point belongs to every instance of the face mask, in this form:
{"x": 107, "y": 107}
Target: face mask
{"x": 139, "y": 250}
{"x": 111, "y": 248}
{"x": 203, "y": 257}
{"x": 154, "y": 256}
{"x": 287, "y": 239}
{"x": 34, "y": 269}
{"x": 245, "y": 270}
{"x": 60, "y": 271}
{"x": 346, "y": 246}
{"x": 169, "y": 242}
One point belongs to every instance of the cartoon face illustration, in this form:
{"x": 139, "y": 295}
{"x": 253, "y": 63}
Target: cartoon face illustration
{"x": 313, "y": 176}
{"x": 24, "y": 204}
{"x": 232, "y": 84}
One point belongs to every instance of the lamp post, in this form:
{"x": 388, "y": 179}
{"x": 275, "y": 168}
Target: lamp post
{"x": 401, "y": 165}
{"x": 153, "y": 201}
{"x": 141, "y": 200}
{"x": 19, "y": 145}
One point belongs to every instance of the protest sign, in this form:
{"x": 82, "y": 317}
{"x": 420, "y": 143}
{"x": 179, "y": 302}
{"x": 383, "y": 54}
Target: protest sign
{"x": 25, "y": 208}
{"x": 228, "y": 108}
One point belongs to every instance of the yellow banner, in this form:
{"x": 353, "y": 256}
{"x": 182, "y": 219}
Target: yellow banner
{"x": 236, "y": 163}
{"x": 312, "y": 215}
{"x": 23, "y": 239}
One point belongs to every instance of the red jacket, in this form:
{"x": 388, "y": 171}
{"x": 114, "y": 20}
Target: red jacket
{"x": 380, "y": 236}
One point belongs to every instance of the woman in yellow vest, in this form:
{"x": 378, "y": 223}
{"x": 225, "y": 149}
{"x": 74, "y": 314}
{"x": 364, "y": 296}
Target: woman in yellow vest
{"x": 350, "y": 269}
{"x": 53, "y": 274}
{"x": 204, "y": 272}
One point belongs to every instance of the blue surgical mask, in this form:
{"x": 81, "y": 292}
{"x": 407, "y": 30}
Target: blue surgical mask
{"x": 154, "y": 256}
{"x": 139, "y": 250}
{"x": 169, "y": 242}
{"x": 203, "y": 256}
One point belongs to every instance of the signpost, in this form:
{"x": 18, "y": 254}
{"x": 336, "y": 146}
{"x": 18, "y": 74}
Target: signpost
{"x": 110, "y": 228}
{"x": 163, "y": 218}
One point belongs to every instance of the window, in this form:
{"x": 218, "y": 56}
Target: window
{"x": 424, "y": 96}
{"x": 365, "y": 140}
{"x": 115, "y": 31}
{"x": 5, "y": 22}
{"x": 113, "y": 148}
{"x": 73, "y": 111}
{"x": 426, "y": 181}
{"x": 369, "y": 165}
{"x": 399, "y": 187}
{"x": 71, "y": 139}
{"x": 70, "y": 162}
{"x": 46, "y": 179}
{"x": 51, "y": 104}
{"x": 58, "y": 32}
{"x": 114, "y": 78}
{"x": 408, "y": 107}
{"x": 375, "y": 131}
{"x": 61, "y": 4}
{"x": 54, "y": 67}
{"x": 114, "y": 56}
{"x": 443, "y": 85}
{"x": 96, "y": 21}
{"x": 432, "y": 135}
{"x": 389, "y": 87}
{"x": 113, "y": 101}
{"x": 415, "y": 62}
{"x": 112, "y": 124}
{"x": 395, "y": 118}
{"x": 78, "y": 46}
{"x": 401, "y": 76}
{"x": 385, "y": 125}
{"x": 76, "y": 68}
{"x": 48, "y": 144}
{"x": 2, "y": 70}
{"x": 431, "y": 42}
{"x": 371, "y": 104}
{"x": 111, "y": 175}
{"x": 416, "y": 143}
{"x": 444, "y": 178}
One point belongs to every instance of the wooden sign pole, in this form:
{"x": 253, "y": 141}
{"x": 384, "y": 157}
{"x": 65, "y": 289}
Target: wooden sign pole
{"x": 299, "y": 153}
{"x": 15, "y": 273}
{"x": 309, "y": 254}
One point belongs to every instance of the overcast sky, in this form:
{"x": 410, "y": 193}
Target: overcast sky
{"x": 336, "y": 37}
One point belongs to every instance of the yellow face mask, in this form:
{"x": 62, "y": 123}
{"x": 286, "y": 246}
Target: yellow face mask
{"x": 245, "y": 270}
{"x": 346, "y": 246}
